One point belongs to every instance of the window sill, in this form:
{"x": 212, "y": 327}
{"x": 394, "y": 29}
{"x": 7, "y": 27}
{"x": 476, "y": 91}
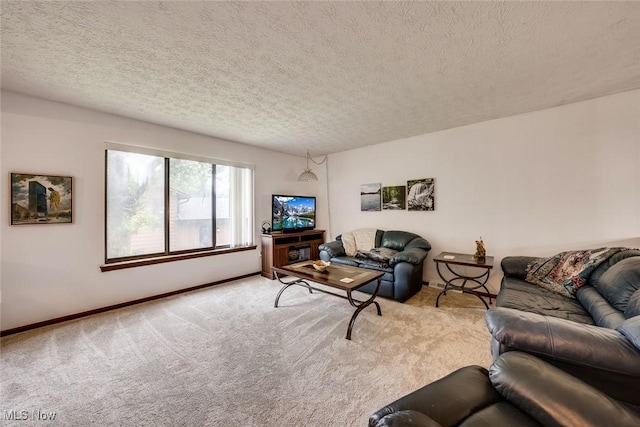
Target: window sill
{"x": 170, "y": 258}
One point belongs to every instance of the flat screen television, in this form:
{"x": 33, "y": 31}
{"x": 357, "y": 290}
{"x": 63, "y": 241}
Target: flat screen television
{"x": 293, "y": 213}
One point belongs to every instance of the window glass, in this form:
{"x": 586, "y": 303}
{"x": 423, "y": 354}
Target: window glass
{"x": 135, "y": 204}
{"x": 190, "y": 205}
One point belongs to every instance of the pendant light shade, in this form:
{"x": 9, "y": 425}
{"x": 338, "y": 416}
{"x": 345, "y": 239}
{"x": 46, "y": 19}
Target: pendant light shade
{"x": 307, "y": 175}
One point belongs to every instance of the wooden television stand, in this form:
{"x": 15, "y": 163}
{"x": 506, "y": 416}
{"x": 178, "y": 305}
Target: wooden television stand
{"x": 280, "y": 249}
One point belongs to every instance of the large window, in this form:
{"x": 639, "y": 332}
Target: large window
{"x": 160, "y": 204}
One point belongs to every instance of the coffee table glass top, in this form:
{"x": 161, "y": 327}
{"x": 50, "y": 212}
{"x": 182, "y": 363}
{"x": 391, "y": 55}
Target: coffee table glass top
{"x": 333, "y": 275}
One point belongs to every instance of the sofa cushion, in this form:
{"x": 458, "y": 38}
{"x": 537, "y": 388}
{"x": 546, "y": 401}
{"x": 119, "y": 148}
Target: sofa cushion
{"x": 603, "y": 313}
{"x": 620, "y": 282}
{"x": 630, "y": 328}
{"x": 523, "y": 296}
{"x": 346, "y": 260}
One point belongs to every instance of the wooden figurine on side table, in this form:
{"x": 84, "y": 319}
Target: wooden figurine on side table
{"x": 481, "y": 252}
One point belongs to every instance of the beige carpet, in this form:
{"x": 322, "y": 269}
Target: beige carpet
{"x": 224, "y": 356}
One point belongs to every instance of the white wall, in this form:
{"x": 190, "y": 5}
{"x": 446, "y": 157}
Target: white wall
{"x": 49, "y": 271}
{"x": 533, "y": 184}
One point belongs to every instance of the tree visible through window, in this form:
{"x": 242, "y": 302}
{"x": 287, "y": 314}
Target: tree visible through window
{"x": 159, "y": 205}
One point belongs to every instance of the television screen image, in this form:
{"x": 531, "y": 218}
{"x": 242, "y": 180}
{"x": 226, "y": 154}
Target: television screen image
{"x": 293, "y": 213}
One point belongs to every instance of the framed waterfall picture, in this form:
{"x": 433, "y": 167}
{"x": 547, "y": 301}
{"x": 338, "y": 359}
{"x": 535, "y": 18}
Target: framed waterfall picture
{"x": 421, "y": 194}
{"x": 41, "y": 199}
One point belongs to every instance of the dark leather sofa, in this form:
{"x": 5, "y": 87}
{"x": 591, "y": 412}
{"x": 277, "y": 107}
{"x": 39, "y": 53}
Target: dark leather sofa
{"x": 594, "y": 337}
{"x": 517, "y": 390}
{"x": 403, "y": 271}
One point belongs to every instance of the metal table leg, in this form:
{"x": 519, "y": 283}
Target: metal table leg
{"x": 457, "y": 276}
{"x": 299, "y": 282}
{"x": 362, "y": 306}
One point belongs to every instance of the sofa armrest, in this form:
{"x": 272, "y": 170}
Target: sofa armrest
{"x": 334, "y": 249}
{"x": 419, "y": 243}
{"x": 448, "y": 400}
{"x": 516, "y": 266}
{"x": 601, "y": 357}
{"x": 412, "y": 256}
{"x": 564, "y": 340}
{"x": 552, "y": 397}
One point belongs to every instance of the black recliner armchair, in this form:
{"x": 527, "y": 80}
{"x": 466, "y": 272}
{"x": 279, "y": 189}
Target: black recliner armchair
{"x": 517, "y": 390}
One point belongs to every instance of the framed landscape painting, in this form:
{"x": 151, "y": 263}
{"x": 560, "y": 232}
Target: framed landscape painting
{"x": 370, "y": 197}
{"x": 41, "y": 199}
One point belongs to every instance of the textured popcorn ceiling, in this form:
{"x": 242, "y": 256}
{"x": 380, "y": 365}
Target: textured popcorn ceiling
{"x": 323, "y": 76}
